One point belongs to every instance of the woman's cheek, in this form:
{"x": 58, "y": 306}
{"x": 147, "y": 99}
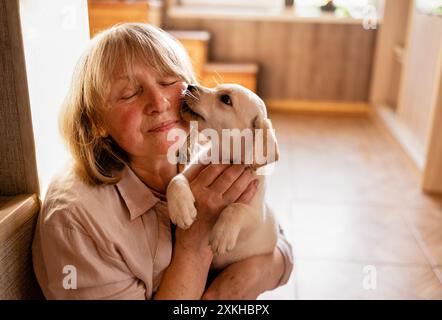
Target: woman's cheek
{"x": 128, "y": 128}
{"x": 176, "y": 93}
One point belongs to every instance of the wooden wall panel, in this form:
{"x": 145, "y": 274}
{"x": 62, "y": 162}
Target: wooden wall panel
{"x": 303, "y": 34}
{"x": 387, "y": 71}
{"x": 432, "y": 177}
{"x": 297, "y": 60}
{"x": 421, "y": 75}
{"x": 18, "y": 173}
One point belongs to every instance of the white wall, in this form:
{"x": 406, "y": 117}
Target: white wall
{"x": 55, "y": 32}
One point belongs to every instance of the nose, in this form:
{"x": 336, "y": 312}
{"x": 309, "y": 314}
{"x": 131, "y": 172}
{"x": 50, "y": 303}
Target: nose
{"x": 158, "y": 103}
{"x": 191, "y": 87}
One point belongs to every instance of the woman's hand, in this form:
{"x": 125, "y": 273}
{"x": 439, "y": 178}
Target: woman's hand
{"x": 217, "y": 186}
{"x": 248, "y": 278}
{"x": 214, "y": 188}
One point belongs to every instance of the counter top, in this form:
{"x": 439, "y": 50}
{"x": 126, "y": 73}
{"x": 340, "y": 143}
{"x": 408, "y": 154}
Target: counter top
{"x": 296, "y": 14}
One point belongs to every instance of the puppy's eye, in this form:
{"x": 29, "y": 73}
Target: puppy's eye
{"x": 224, "y": 98}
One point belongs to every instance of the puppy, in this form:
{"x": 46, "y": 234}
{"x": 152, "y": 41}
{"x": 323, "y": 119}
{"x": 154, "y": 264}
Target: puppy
{"x": 241, "y": 230}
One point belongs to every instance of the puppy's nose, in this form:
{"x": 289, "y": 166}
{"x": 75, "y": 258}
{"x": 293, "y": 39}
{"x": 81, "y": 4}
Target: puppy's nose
{"x": 191, "y": 88}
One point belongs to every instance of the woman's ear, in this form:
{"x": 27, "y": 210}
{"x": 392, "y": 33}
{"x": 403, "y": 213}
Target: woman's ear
{"x": 265, "y": 145}
{"x": 103, "y": 133}
{"x": 100, "y": 131}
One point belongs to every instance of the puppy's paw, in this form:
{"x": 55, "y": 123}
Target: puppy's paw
{"x": 180, "y": 201}
{"x": 225, "y": 233}
{"x": 182, "y": 212}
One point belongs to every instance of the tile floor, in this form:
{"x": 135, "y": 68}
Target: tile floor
{"x": 350, "y": 203}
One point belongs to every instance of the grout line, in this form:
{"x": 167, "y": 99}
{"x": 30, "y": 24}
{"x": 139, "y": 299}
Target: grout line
{"x": 375, "y": 262}
{"x": 401, "y": 136}
{"x": 420, "y": 241}
{"x": 427, "y": 202}
{"x": 429, "y": 262}
{"x": 385, "y": 131}
{"x": 423, "y": 246}
{"x": 359, "y": 204}
{"x": 438, "y": 274}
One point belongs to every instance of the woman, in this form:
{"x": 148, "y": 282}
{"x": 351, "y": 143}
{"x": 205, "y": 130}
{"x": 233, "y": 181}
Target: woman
{"x": 104, "y": 231}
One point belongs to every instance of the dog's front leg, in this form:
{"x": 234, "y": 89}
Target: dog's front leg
{"x": 181, "y": 202}
{"x": 228, "y": 226}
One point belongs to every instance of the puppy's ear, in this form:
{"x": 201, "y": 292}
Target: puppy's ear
{"x": 265, "y": 145}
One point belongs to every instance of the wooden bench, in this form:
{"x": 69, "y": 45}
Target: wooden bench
{"x": 18, "y": 217}
{"x": 19, "y": 189}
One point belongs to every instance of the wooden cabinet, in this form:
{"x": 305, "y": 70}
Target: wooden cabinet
{"x": 406, "y": 89}
{"x": 196, "y": 43}
{"x": 299, "y": 58}
{"x": 243, "y": 74}
{"x": 211, "y": 74}
{"x": 421, "y": 74}
{"x": 432, "y": 177}
{"x": 104, "y": 14}
{"x": 389, "y": 55}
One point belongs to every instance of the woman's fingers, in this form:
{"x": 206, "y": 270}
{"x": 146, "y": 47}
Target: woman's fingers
{"x": 227, "y": 178}
{"x": 239, "y": 186}
{"x": 209, "y": 174}
{"x": 248, "y": 194}
{"x": 217, "y": 186}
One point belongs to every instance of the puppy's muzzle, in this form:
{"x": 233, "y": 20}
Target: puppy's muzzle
{"x": 191, "y": 96}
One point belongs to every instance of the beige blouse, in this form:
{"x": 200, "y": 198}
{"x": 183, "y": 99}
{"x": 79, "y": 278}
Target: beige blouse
{"x": 107, "y": 242}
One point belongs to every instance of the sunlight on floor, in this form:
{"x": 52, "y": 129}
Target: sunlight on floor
{"x": 348, "y": 198}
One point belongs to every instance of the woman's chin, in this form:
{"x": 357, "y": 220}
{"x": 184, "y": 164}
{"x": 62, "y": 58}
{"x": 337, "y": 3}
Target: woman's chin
{"x": 156, "y": 142}
{"x": 159, "y": 146}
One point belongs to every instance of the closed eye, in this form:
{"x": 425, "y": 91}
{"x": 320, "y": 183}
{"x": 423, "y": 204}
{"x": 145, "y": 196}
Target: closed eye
{"x": 225, "y": 98}
{"x": 169, "y": 81}
{"x": 132, "y": 94}
{"x": 166, "y": 84}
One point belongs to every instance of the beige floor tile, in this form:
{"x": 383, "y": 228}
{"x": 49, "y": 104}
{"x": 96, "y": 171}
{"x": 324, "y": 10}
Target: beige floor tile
{"x": 321, "y": 279}
{"x": 438, "y": 272}
{"x": 426, "y": 223}
{"x": 342, "y": 159}
{"x": 367, "y": 234}
{"x": 347, "y": 197}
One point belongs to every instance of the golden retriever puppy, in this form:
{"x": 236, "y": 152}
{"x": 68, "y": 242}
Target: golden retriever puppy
{"x": 235, "y": 121}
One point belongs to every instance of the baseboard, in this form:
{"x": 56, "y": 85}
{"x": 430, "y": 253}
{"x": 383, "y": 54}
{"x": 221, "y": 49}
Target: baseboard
{"x": 326, "y": 107}
{"x": 401, "y": 134}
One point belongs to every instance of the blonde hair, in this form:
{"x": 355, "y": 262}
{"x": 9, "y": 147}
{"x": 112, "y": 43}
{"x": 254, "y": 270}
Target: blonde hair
{"x": 98, "y": 159}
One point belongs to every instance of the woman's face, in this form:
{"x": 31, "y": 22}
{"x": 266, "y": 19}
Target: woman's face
{"x": 140, "y": 113}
